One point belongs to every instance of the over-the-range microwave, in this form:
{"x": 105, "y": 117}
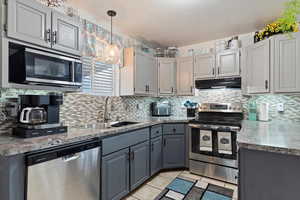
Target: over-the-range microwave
{"x": 33, "y": 66}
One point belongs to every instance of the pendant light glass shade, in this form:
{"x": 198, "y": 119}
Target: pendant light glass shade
{"x": 112, "y": 54}
{"x": 112, "y": 51}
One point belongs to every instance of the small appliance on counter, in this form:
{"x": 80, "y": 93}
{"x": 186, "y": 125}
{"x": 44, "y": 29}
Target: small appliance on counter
{"x": 39, "y": 116}
{"x": 161, "y": 109}
{"x": 191, "y": 108}
{"x": 263, "y": 112}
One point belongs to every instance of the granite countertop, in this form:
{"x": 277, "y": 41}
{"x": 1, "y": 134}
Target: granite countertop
{"x": 274, "y": 136}
{"x": 10, "y": 145}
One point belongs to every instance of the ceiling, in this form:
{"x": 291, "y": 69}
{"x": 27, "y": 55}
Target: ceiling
{"x": 184, "y": 22}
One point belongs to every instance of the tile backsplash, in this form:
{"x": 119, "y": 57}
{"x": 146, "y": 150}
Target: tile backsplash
{"x": 81, "y": 109}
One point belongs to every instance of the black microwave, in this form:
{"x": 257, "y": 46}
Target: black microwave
{"x": 32, "y": 66}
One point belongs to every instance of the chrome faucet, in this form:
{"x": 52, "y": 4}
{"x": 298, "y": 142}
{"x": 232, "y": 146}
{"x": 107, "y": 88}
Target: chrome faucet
{"x": 105, "y": 113}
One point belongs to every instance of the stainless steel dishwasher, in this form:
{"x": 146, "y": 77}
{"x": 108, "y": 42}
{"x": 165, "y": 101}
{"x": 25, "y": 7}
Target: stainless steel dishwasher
{"x": 68, "y": 173}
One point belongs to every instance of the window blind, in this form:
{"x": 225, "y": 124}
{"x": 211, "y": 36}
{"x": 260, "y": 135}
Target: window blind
{"x": 97, "y": 77}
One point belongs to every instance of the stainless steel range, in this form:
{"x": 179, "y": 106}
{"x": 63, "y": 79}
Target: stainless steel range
{"x": 213, "y": 148}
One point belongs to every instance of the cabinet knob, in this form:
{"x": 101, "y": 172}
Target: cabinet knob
{"x": 165, "y": 142}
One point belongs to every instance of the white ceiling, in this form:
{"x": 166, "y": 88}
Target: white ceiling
{"x": 184, "y": 22}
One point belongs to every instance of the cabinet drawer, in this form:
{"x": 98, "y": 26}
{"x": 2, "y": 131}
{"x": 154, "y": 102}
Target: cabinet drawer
{"x": 173, "y": 129}
{"x": 125, "y": 140}
{"x": 156, "y": 131}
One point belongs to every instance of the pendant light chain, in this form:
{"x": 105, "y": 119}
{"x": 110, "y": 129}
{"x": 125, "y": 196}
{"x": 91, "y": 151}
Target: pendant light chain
{"x": 111, "y": 29}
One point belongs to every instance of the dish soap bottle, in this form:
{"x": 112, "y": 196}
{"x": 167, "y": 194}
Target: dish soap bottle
{"x": 252, "y": 110}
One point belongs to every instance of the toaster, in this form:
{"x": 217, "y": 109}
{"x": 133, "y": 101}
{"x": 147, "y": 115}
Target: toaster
{"x": 161, "y": 109}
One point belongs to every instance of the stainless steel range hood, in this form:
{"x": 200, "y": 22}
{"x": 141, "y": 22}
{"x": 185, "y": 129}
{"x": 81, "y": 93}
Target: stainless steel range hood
{"x": 219, "y": 83}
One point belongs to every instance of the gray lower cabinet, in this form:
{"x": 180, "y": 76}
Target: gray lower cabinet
{"x": 156, "y": 155}
{"x": 115, "y": 175}
{"x": 174, "y": 151}
{"x": 139, "y": 164}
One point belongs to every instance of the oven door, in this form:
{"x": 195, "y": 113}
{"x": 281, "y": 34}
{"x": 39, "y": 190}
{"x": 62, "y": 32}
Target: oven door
{"x": 200, "y": 148}
{"x": 48, "y": 68}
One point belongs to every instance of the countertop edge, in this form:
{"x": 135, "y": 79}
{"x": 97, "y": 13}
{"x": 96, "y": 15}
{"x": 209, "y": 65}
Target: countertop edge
{"x": 46, "y": 142}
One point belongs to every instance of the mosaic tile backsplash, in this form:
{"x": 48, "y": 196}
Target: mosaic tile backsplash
{"x": 81, "y": 109}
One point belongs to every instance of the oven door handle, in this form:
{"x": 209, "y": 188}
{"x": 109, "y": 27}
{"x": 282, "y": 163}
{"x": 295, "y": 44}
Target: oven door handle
{"x": 195, "y": 126}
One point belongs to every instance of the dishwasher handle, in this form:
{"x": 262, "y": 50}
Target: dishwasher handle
{"x": 70, "y": 158}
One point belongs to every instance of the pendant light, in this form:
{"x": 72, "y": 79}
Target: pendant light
{"x": 111, "y": 52}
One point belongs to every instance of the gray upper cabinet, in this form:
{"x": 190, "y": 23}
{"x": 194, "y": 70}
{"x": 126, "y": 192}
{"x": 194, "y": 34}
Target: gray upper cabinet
{"x": 66, "y": 33}
{"x": 174, "y": 151}
{"x": 166, "y": 76}
{"x": 185, "y": 76}
{"x": 228, "y": 63}
{"x": 32, "y": 22}
{"x": 115, "y": 175}
{"x": 287, "y": 63}
{"x": 258, "y": 67}
{"x": 205, "y": 67}
{"x": 138, "y": 76}
{"x": 29, "y": 21}
{"x": 139, "y": 164}
{"x": 156, "y": 155}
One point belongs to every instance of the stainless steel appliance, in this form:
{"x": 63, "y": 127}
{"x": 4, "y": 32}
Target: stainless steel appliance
{"x": 161, "y": 109}
{"x": 213, "y": 148}
{"x": 35, "y": 115}
{"x": 39, "y": 116}
{"x": 31, "y": 66}
{"x": 219, "y": 83}
{"x": 68, "y": 173}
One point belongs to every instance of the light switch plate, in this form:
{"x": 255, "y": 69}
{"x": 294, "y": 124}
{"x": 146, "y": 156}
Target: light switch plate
{"x": 280, "y": 107}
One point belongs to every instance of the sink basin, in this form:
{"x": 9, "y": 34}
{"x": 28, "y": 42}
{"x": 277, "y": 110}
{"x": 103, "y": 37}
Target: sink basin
{"x": 123, "y": 123}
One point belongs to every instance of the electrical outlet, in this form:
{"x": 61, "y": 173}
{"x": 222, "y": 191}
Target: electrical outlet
{"x": 280, "y": 107}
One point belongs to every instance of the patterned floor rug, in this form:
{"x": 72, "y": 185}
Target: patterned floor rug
{"x": 186, "y": 189}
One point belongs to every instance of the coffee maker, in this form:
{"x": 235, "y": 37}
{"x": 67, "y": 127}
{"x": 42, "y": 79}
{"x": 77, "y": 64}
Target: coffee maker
{"x": 39, "y": 116}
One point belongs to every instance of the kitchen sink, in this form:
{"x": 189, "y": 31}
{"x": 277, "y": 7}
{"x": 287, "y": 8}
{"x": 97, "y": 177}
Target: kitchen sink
{"x": 123, "y": 123}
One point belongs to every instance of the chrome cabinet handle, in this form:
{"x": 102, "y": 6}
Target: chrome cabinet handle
{"x": 165, "y": 142}
{"x": 266, "y": 84}
{"x": 48, "y": 35}
{"x": 218, "y": 70}
{"x": 172, "y": 90}
{"x": 213, "y": 72}
{"x": 191, "y": 89}
{"x": 132, "y": 155}
{"x": 152, "y": 147}
{"x": 54, "y": 37}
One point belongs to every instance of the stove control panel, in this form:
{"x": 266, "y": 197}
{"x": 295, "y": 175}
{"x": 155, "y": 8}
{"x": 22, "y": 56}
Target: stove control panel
{"x": 221, "y": 107}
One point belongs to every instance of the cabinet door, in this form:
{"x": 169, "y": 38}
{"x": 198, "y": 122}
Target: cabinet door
{"x": 156, "y": 155}
{"x": 173, "y": 151}
{"x": 115, "y": 175}
{"x": 152, "y": 75}
{"x": 228, "y": 64}
{"x": 29, "y": 21}
{"x": 185, "y": 76}
{"x": 141, "y": 73}
{"x": 66, "y": 33}
{"x": 287, "y": 63}
{"x": 139, "y": 165}
{"x": 205, "y": 66}
{"x": 258, "y": 67}
{"x": 167, "y": 74}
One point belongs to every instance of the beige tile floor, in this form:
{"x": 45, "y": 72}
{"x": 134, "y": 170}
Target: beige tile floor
{"x": 157, "y": 184}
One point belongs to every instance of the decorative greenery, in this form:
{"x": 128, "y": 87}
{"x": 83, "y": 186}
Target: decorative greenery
{"x": 287, "y": 23}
